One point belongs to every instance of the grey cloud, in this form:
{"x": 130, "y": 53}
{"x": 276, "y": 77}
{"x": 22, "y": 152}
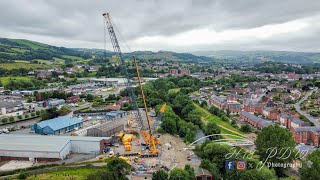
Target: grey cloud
{"x": 81, "y": 20}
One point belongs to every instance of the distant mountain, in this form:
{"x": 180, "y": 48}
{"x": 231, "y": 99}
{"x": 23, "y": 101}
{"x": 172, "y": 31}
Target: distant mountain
{"x": 26, "y": 50}
{"x": 263, "y": 56}
{"x": 20, "y": 49}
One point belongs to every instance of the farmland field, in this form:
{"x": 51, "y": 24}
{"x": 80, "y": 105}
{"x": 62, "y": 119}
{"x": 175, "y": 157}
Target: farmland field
{"x": 24, "y": 65}
{"x": 6, "y": 80}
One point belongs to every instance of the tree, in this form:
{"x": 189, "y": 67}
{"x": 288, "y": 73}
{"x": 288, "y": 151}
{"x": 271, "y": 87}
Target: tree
{"x": 64, "y": 110}
{"x": 37, "y": 113}
{"x": 118, "y": 167}
{"x": 90, "y": 98}
{"x": 190, "y": 170}
{"x": 178, "y": 174}
{"x": 19, "y": 117}
{"x": 26, "y": 116}
{"x": 33, "y": 114}
{"x": 275, "y": 140}
{"x": 245, "y": 128}
{"x": 211, "y": 167}
{"x": 212, "y": 128}
{"x": 204, "y": 104}
{"x": 311, "y": 166}
{"x": 160, "y": 175}
{"x": 49, "y": 113}
{"x": 4, "y": 120}
{"x": 29, "y": 100}
{"x": 11, "y": 118}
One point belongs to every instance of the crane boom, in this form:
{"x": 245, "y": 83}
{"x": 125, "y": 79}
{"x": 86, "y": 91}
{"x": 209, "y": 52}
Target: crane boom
{"x": 117, "y": 50}
{"x": 151, "y": 138}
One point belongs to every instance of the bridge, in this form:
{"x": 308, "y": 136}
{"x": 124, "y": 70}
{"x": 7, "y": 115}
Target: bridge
{"x": 233, "y": 140}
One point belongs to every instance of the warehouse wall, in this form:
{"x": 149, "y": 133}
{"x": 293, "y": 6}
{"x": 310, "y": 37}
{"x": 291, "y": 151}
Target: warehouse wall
{"x": 30, "y": 154}
{"x": 88, "y": 147}
{"x": 65, "y": 151}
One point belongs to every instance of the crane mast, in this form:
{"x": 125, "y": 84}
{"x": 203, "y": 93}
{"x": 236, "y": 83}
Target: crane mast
{"x": 117, "y": 50}
{"x": 150, "y": 139}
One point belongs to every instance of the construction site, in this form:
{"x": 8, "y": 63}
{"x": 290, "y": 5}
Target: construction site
{"x": 131, "y": 136}
{"x": 138, "y": 143}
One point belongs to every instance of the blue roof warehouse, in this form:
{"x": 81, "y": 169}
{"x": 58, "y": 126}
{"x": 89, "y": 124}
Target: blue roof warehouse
{"x": 56, "y": 126}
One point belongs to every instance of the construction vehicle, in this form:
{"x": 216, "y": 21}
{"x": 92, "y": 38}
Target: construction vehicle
{"x": 147, "y": 133}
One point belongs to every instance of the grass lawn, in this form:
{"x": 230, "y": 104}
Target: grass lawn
{"x": 9, "y": 53}
{"x": 174, "y": 90}
{"x": 58, "y": 60}
{"x": 33, "y": 45}
{"x": 19, "y": 50}
{"x": 21, "y": 61}
{"x": 225, "y": 127}
{"x": 6, "y": 80}
{"x": 24, "y": 65}
{"x": 78, "y": 174}
{"x": 72, "y": 57}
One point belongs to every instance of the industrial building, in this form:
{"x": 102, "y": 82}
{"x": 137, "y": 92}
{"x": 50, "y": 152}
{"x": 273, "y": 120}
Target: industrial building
{"x": 56, "y": 126}
{"x": 107, "y": 129}
{"x": 56, "y": 102}
{"x": 48, "y": 148}
{"x": 116, "y": 114}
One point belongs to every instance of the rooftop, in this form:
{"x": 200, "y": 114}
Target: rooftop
{"x": 59, "y": 122}
{"x": 256, "y": 119}
{"x": 12, "y": 142}
{"x": 10, "y": 104}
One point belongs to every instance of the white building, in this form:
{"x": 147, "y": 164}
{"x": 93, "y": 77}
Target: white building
{"x": 49, "y": 148}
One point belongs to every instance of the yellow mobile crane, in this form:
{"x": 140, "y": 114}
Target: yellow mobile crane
{"x": 148, "y": 137}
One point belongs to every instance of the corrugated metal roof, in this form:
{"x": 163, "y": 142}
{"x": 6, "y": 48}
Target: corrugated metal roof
{"x": 59, "y": 122}
{"x": 32, "y": 143}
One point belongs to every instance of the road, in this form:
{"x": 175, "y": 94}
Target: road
{"x": 26, "y": 123}
{"x": 308, "y": 116}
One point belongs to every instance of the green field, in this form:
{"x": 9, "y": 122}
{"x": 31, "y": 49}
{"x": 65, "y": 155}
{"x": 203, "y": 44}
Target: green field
{"x": 58, "y": 60}
{"x": 33, "y": 45}
{"x": 21, "y": 61}
{"x": 24, "y": 65}
{"x": 78, "y": 174}
{"x": 224, "y": 126}
{"x": 6, "y": 80}
{"x": 72, "y": 57}
{"x": 20, "y": 50}
{"x": 8, "y": 53}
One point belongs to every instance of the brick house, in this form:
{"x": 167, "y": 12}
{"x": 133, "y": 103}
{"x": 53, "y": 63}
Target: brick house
{"x": 283, "y": 119}
{"x": 113, "y": 107}
{"x": 270, "y": 113}
{"x": 254, "y": 120}
{"x": 295, "y": 122}
{"x": 234, "y": 108}
{"x": 73, "y": 99}
{"x": 308, "y": 135}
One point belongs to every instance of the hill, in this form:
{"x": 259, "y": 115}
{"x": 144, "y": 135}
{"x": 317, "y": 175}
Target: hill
{"x": 263, "y": 56}
{"x": 24, "y": 51}
{"x": 13, "y": 50}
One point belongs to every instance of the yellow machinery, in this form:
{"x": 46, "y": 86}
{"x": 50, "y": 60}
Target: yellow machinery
{"x": 163, "y": 107}
{"x": 148, "y": 138}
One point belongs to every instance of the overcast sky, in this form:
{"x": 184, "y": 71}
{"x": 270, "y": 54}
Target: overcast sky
{"x": 175, "y": 25}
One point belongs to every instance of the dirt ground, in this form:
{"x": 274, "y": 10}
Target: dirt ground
{"x": 12, "y": 165}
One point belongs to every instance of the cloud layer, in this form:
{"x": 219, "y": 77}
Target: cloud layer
{"x": 186, "y": 25}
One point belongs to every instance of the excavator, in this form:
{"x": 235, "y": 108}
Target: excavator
{"x": 146, "y": 131}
